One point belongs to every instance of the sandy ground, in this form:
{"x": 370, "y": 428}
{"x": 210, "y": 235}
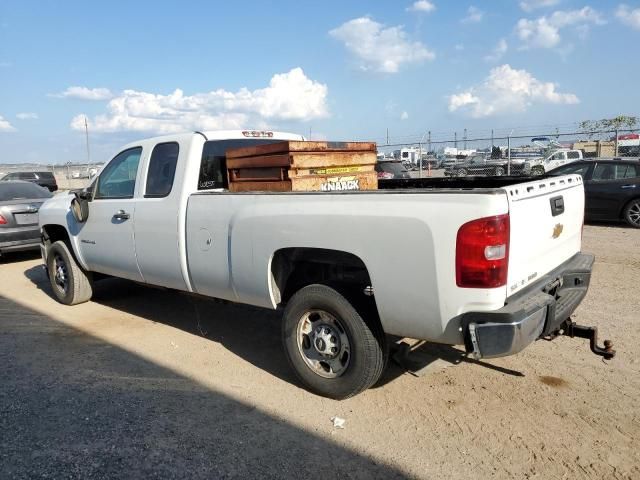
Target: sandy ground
{"x": 145, "y": 382}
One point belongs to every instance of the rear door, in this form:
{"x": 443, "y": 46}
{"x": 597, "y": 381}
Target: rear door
{"x": 157, "y": 211}
{"x": 546, "y": 227}
{"x": 107, "y": 237}
{"x": 611, "y": 185}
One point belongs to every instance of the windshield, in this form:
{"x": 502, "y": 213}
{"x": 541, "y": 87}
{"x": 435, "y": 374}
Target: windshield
{"x": 18, "y": 191}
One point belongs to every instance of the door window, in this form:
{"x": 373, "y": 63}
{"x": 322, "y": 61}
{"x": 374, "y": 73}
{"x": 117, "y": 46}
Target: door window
{"x": 614, "y": 171}
{"x": 573, "y": 155}
{"x": 162, "y": 169}
{"x": 118, "y": 179}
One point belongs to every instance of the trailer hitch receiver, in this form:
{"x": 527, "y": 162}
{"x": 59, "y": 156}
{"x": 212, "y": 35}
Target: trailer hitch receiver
{"x": 572, "y": 329}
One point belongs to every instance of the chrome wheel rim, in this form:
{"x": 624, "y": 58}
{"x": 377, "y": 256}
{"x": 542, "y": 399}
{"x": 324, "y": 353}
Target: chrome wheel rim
{"x": 60, "y": 274}
{"x": 323, "y": 343}
{"x": 634, "y": 213}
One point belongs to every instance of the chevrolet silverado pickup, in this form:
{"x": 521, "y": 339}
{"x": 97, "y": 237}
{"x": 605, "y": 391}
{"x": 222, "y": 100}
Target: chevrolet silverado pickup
{"x": 489, "y": 263}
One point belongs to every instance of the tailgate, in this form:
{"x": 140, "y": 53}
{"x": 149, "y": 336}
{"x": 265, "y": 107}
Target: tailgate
{"x": 546, "y": 227}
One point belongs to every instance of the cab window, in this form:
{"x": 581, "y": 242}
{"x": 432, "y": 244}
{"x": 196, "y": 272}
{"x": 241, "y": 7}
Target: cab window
{"x": 162, "y": 169}
{"x": 118, "y": 179}
{"x": 573, "y": 155}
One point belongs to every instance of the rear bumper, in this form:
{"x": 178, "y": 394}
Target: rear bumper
{"x": 539, "y": 310}
{"x": 16, "y": 239}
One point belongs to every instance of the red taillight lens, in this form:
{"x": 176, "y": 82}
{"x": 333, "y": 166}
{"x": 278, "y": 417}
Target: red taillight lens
{"x": 3, "y": 221}
{"x": 482, "y": 253}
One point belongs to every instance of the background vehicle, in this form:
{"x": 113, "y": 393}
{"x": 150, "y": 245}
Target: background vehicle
{"x": 493, "y": 259}
{"x": 483, "y": 165}
{"x": 44, "y": 179}
{"x": 388, "y": 169}
{"x": 612, "y": 188}
{"x": 19, "y": 205}
{"x": 555, "y": 159}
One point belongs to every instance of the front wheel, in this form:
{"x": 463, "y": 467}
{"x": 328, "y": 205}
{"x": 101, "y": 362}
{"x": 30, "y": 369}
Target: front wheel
{"x": 499, "y": 172}
{"x": 462, "y": 172}
{"x": 70, "y": 283}
{"x": 632, "y": 213}
{"x": 537, "y": 171}
{"x": 331, "y": 348}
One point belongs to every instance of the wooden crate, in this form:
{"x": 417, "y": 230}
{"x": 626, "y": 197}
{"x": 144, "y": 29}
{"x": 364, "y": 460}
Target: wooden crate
{"x": 307, "y": 166}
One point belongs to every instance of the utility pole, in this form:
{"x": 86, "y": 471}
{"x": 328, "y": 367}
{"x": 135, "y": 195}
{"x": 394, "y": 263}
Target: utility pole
{"x": 492, "y": 138}
{"x": 387, "y": 136}
{"x": 465, "y": 139}
{"x": 455, "y": 139}
{"x": 86, "y": 132}
{"x": 429, "y": 140}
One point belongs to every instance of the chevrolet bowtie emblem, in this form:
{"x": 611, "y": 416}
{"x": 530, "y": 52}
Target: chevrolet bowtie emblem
{"x": 557, "y": 230}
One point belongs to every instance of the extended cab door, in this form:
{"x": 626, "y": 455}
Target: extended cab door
{"x": 106, "y": 238}
{"x": 158, "y": 214}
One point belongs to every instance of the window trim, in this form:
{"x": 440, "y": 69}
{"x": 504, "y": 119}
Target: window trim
{"x": 173, "y": 181}
{"x": 105, "y": 169}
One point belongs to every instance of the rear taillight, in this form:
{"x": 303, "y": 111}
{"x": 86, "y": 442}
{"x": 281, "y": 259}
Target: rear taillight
{"x": 3, "y": 221}
{"x": 482, "y": 253}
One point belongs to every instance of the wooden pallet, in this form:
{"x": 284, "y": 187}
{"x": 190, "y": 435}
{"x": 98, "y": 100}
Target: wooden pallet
{"x": 307, "y": 166}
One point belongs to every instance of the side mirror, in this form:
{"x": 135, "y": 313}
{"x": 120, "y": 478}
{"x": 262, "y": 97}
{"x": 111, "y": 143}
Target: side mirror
{"x": 80, "y": 206}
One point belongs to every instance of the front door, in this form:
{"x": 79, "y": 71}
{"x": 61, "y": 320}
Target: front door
{"x": 107, "y": 237}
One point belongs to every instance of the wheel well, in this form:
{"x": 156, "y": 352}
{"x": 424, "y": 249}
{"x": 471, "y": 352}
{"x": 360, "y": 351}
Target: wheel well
{"x": 295, "y": 268}
{"x": 53, "y": 233}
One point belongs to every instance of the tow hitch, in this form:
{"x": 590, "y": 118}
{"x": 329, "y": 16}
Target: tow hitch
{"x": 572, "y": 329}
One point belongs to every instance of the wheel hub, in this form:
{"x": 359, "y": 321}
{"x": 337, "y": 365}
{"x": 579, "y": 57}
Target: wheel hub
{"x": 323, "y": 343}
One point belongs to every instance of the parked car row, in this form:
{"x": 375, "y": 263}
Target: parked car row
{"x": 44, "y": 179}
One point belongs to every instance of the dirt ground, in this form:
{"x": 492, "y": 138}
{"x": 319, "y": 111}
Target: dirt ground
{"x": 145, "y": 382}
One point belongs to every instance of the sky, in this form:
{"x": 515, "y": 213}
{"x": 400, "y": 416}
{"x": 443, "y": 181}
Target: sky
{"x": 330, "y": 70}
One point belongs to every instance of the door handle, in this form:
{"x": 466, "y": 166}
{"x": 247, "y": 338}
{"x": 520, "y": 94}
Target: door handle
{"x": 628, "y": 186}
{"x": 121, "y": 215}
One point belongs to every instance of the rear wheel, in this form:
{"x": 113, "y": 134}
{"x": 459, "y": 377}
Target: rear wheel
{"x": 70, "y": 283}
{"x": 499, "y": 172}
{"x": 537, "y": 170}
{"x": 632, "y": 213}
{"x": 331, "y": 348}
{"x": 462, "y": 172}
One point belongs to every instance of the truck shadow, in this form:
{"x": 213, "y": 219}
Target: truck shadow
{"x": 76, "y": 405}
{"x": 249, "y": 332}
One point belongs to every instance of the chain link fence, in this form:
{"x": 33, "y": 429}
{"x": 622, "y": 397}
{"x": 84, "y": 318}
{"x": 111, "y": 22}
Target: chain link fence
{"x": 514, "y": 155}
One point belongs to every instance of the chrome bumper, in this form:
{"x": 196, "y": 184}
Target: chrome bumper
{"x": 538, "y": 311}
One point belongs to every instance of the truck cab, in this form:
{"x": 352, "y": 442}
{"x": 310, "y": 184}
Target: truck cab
{"x": 555, "y": 159}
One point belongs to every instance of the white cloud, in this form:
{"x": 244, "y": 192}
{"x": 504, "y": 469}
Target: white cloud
{"x": 628, "y": 16}
{"x": 474, "y": 15}
{"x": 5, "y": 126}
{"x": 404, "y": 116}
{"x": 507, "y": 90}
{"x": 84, "y": 93}
{"x": 544, "y": 32}
{"x": 422, "y": 6}
{"x": 380, "y": 48}
{"x": 498, "y": 52}
{"x": 5, "y": 64}
{"x": 530, "y": 5}
{"x": 289, "y": 96}
{"x": 27, "y": 116}
{"x": 459, "y": 47}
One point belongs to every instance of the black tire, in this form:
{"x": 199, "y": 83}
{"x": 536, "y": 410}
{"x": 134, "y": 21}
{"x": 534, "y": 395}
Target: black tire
{"x": 366, "y": 341}
{"x": 537, "y": 170}
{"x": 631, "y": 213}
{"x": 499, "y": 172}
{"x": 462, "y": 173}
{"x": 70, "y": 283}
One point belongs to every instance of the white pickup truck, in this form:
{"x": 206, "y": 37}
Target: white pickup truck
{"x": 555, "y": 159}
{"x": 490, "y": 263}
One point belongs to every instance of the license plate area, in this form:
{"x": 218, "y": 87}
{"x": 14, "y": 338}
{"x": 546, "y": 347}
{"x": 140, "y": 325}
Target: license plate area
{"x": 26, "y": 218}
